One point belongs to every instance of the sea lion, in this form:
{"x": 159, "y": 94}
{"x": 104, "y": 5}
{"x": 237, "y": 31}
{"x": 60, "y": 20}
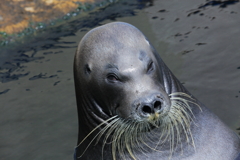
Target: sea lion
{"x": 130, "y": 105}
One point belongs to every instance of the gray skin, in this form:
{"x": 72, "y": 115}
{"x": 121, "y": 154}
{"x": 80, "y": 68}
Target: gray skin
{"x": 117, "y": 72}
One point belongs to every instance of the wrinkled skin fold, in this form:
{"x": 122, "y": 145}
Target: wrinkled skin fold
{"x": 130, "y": 105}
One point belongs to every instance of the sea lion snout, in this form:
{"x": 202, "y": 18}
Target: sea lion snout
{"x": 151, "y": 105}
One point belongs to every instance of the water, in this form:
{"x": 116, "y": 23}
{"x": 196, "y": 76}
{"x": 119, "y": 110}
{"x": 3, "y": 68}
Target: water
{"x": 38, "y": 109}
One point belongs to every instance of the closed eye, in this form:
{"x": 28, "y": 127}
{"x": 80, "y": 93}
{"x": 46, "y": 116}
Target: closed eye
{"x": 150, "y": 67}
{"x": 112, "y": 78}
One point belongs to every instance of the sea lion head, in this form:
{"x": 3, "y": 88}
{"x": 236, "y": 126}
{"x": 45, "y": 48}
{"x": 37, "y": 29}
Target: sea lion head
{"x": 123, "y": 85}
{"x": 120, "y": 73}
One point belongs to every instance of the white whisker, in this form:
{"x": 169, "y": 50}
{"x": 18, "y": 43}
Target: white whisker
{"x": 128, "y": 136}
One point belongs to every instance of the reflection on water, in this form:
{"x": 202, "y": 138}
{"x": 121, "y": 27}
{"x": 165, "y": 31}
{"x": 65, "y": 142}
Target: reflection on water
{"x": 38, "y": 110}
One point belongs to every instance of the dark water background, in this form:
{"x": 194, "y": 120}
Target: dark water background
{"x": 199, "y": 41}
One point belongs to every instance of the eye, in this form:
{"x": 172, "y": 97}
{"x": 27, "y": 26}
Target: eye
{"x": 150, "y": 67}
{"x": 112, "y": 78}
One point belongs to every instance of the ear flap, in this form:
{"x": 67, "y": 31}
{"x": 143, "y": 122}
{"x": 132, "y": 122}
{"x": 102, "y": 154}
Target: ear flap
{"x": 87, "y": 69}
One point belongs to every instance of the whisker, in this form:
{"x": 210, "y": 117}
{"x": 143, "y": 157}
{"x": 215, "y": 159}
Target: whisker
{"x": 128, "y": 136}
{"x": 112, "y": 126}
{"x": 94, "y": 136}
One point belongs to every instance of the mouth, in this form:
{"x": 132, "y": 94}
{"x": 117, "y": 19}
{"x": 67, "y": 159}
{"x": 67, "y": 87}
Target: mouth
{"x": 152, "y": 127}
{"x": 154, "y": 121}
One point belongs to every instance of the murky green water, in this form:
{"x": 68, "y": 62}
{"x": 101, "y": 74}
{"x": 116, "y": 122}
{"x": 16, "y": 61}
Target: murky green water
{"x": 38, "y": 114}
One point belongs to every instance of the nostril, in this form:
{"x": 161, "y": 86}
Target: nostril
{"x": 157, "y": 105}
{"x": 146, "y": 109}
